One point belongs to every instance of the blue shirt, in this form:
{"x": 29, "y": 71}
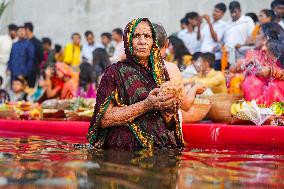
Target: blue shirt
{"x": 21, "y": 58}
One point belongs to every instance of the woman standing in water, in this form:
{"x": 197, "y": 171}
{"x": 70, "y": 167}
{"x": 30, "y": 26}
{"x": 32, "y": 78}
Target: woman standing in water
{"x": 128, "y": 112}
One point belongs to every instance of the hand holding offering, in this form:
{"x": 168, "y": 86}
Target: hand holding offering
{"x": 176, "y": 89}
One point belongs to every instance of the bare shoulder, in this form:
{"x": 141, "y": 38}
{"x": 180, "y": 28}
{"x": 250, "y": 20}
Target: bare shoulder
{"x": 173, "y": 71}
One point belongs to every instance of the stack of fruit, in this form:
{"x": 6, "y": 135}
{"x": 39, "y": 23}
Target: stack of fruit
{"x": 240, "y": 111}
{"x": 20, "y": 110}
{"x": 245, "y": 110}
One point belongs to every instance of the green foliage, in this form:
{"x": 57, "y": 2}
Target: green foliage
{"x": 3, "y": 6}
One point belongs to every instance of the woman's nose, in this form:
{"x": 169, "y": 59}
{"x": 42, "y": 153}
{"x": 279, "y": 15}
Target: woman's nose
{"x": 142, "y": 40}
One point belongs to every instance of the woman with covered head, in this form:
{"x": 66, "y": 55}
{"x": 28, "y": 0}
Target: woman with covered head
{"x": 128, "y": 112}
{"x": 264, "y": 67}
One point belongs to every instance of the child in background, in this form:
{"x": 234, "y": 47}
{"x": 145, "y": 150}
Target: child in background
{"x": 87, "y": 87}
{"x": 18, "y": 90}
{"x": 190, "y": 70}
{"x": 4, "y": 96}
{"x": 207, "y": 76}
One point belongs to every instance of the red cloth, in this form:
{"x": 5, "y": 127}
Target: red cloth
{"x": 206, "y": 135}
{"x": 226, "y": 136}
{"x": 264, "y": 91}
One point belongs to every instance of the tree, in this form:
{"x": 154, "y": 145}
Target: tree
{"x": 3, "y": 6}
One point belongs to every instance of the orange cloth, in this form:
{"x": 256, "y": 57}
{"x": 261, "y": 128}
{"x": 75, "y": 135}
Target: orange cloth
{"x": 255, "y": 32}
{"x": 224, "y": 59}
{"x": 70, "y": 87}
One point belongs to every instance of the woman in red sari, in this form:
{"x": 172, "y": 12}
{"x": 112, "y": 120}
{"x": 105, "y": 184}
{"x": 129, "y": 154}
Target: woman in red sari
{"x": 264, "y": 81}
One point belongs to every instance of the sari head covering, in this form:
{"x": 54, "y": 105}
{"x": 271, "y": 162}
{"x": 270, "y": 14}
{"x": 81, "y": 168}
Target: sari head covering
{"x": 156, "y": 62}
{"x": 128, "y": 82}
{"x": 275, "y": 36}
{"x": 69, "y": 88}
{"x": 64, "y": 68}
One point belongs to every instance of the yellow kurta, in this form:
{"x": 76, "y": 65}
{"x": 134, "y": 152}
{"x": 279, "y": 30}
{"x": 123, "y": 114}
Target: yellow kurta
{"x": 214, "y": 80}
{"x": 72, "y": 54}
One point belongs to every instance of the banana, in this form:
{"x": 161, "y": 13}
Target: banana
{"x": 233, "y": 109}
{"x": 277, "y": 109}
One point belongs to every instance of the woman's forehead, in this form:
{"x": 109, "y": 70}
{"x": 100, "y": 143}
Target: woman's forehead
{"x": 143, "y": 27}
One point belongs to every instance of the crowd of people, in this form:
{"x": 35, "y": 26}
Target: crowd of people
{"x": 208, "y": 51}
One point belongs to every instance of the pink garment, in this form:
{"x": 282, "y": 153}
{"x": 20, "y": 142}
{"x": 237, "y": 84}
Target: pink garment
{"x": 264, "y": 91}
{"x": 90, "y": 93}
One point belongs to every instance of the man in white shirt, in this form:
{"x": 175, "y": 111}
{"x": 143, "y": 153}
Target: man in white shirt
{"x": 213, "y": 32}
{"x": 190, "y": 36}
{"x": 87, "y": 50}
{"x": 118, "y": 54}
{"x": 239, "y": 29}
{"x": 6, "y": 42}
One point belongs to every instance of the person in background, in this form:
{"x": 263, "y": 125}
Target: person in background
{"x": 238, "y": 30}
{"x": 253, "y": 16}
{"x": 180, "y": 54}
{"x": 265, "y": 16}
{"x": 50, "y": 84}
{"x": 235, "y": 79}
{"x": 207, "y": 76}
{"x": 48, "y": 53}
{"x": 59, "y": 53}
{"x": 72, "y": 51}
{"x": 100, "y": 63}
{"x": 278, "y": 7}
{"x": 195, "y": 57}
{"x": 265, "y": 83}
{"x": 38, "y": 58}
{"x": 70, "y": 79}
{"x": 212, "y": 33}
{"x": 87, "y": 87}
{"x": 173, "y": 70}
{"x": 6, "y": 42}
{"x": 183, "y": 23}
{"x": 106, "y": 41}
{"x": 118, "y": 54}
{"x": 87, "y": 50}
{"x": 18, "y": 90}
{"x": 21, "y": 57}
{"x": 4, "y": 95}
{"x": 190, "y": 35}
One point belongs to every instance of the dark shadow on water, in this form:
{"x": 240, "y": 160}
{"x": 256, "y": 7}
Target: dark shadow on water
{"x": 139, "y": 169}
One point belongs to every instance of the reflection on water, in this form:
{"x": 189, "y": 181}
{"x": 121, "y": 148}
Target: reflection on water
{"x": 42, "y": 162}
